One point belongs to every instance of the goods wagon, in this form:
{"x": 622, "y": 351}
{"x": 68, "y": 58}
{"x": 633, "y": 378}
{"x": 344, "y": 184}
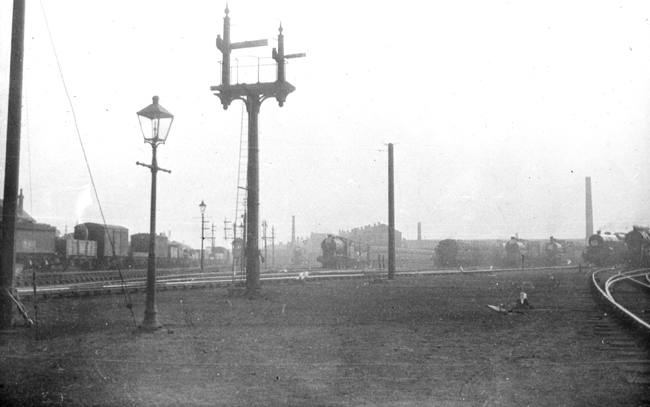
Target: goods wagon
{"x": 140, "y": 244}
{"x": 35, "y": 244}
{"x": 112, "y": 242}
{"x": 73, "y": 253}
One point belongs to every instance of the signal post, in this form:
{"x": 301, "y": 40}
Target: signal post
{"x": 252, "y": 95}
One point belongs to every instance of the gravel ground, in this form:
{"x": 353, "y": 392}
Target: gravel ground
{"x": 417, "y": 341}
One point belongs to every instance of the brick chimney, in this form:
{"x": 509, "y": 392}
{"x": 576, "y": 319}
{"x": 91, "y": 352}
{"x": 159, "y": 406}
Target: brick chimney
{"x": 21, "y": 199}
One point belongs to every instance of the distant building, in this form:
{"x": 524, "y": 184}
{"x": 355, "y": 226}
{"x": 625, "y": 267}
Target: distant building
{"x": 374, "y": 235}
{"x": 21, "y": 215}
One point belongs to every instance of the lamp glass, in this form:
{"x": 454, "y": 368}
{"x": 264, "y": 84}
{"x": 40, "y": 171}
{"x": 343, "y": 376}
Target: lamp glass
{"x": 155, "y": 122}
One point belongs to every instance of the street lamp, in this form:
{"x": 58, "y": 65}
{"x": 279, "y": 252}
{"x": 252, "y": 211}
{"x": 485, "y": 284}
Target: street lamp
{"x": 155, "y": 122}
{"x": 202, "y": 207}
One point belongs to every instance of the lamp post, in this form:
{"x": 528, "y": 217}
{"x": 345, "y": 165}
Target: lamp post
{"x": 202, "y": 207}
{"x": 155, "y": 122}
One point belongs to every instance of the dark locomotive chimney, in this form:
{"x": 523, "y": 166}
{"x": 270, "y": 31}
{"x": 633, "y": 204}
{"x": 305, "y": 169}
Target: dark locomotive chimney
{"x": 589, "y": 209}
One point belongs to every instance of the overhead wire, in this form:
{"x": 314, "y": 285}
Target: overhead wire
{"x": 31, "y": 209}
{"x": 129, "y": 303}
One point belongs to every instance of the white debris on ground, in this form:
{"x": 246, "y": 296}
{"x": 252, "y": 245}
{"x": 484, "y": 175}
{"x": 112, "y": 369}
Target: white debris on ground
{"x": 302, "y": 277}
{"x": 519, "y": 306}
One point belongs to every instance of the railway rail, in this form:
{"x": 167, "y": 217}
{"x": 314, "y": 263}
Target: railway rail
{"x": 627, "y": 292}
{"x": 74, "y": 284}
{"x": 73, "y": 277}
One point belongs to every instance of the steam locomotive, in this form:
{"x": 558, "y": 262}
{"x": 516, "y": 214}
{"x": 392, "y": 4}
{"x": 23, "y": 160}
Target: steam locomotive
{"x": 610, "y": 249}
{"x": 605, "y": 249}
{"x": 638, "y": 247}
{"x": 340, "y": 253}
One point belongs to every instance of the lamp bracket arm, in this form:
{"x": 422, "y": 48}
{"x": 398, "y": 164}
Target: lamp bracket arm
{"x": 143, "y": 164}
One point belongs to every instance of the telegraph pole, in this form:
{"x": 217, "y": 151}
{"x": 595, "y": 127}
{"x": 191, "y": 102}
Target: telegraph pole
{"x": 12, "y": 166}
{"x": 225, "y": 228}
{"x": 252, "y": 95}
{"x": 391, "y": 214}
{"x": 212, "y": 238}
{"x": 273, "y": 244}
{"x": 264, "y": 225}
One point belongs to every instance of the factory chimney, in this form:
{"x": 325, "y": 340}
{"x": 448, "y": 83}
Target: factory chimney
{"x": 419, "y": 232}
{"x": 293, "y": 230}
{"x": 590, "y": 211}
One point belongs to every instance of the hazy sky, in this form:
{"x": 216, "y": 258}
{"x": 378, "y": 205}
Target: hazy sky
{"x": 498, "y": 110}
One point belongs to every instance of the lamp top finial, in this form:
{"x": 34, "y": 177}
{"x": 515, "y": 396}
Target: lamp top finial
{"x": 155, "y": 100}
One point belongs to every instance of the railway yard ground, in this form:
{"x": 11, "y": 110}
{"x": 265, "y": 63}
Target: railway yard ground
{"x": 413, "y": 341}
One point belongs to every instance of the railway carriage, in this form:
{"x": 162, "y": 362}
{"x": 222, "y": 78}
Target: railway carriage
{"x": 469, "y": 253}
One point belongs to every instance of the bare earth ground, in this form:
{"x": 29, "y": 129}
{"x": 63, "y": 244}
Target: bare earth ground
{"x": 427, "y": 341}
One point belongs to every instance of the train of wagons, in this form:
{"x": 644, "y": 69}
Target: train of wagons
{"x": 339, "y": 252}
{"x": 510, "y": 254}
{"x": 95, "y": 246}
{"x": 605, "y": 249}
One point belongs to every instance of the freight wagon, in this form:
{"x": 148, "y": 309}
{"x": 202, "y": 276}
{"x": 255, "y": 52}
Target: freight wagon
{"x": 72, "y": 253}
{"x": 140, "y": 250}
{"x": 34, "y": 245}
{"x": 112, "y": 243}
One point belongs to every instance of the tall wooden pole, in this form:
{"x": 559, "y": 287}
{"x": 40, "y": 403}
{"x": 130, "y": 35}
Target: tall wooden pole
{"x": 589, "y": 209}
{"x": 391, "y": 215}
{"x": 12, "y": 166}
{"x": 273, "y": 244}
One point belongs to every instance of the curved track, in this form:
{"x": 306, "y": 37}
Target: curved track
{"x": 627, "y": 292}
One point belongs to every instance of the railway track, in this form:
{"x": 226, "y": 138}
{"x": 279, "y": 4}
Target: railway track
{"x": 75, "y": 284}
{"x": 626, "y": 298}
{"x": 108, "y": 283}
{"x": 564, "y": 291}
{"x": 628, "y": 293}
{"x": 26, "y": 279}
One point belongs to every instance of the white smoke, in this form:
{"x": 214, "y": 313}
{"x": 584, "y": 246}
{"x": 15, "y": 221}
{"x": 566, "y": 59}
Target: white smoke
{"x": 84, "y": 200}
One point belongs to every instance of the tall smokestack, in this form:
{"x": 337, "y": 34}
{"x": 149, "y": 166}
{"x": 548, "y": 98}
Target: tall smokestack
{"x": 293, "y": 229}
{"x": 21, "y": 200}
{"x": 419, "y": 232}
{"x": 590, "y": 211}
